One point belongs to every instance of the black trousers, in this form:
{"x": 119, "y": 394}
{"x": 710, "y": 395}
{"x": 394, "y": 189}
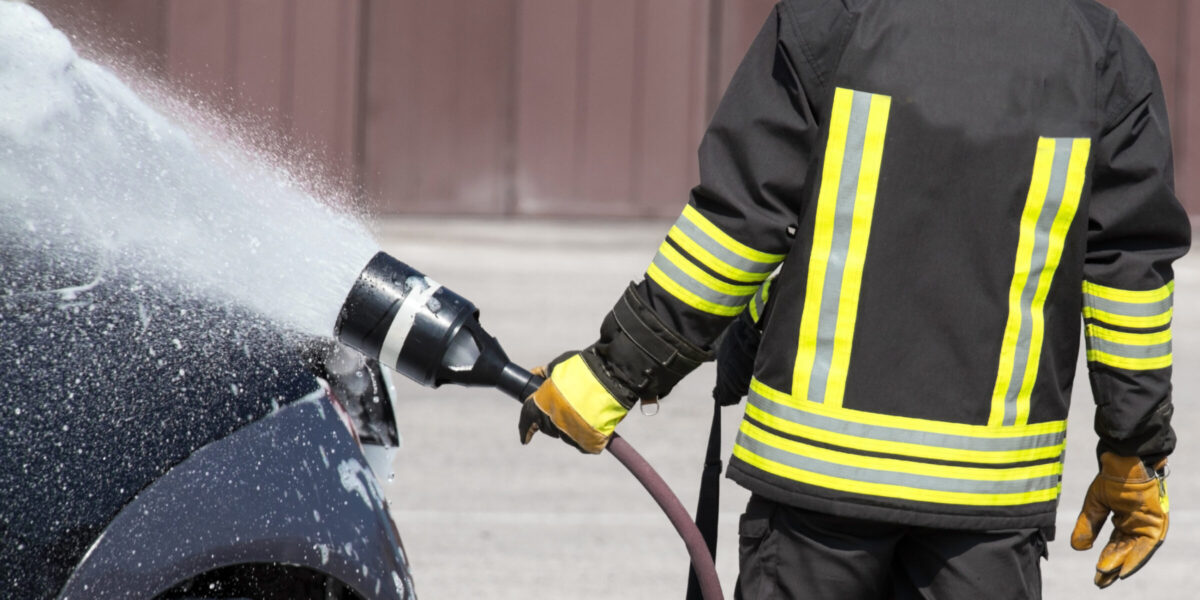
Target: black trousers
{"x": 787, "y": 552}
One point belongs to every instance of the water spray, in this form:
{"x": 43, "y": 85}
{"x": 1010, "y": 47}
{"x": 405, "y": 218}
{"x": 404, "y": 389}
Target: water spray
{"x": 91, "y": 169}
{"x": 432, "y": 335}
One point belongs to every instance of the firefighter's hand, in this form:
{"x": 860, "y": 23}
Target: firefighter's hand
{"x": 572, "y": 405}
{"x": 735, "y": 361}
{"x": 1137, "y": 498}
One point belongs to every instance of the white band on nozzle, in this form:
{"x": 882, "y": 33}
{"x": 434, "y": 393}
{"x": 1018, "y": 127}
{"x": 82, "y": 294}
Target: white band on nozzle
{"x": 423, "y": 288}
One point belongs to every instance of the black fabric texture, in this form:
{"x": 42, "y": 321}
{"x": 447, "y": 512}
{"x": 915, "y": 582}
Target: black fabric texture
{"x": 735, "y": 361}
{"x": 708, "y": 505}
{"x": 1148, "y": 435}
{"x": 638, "y": 356}
{"x": 735, "y": 366}
{"x": 788, "y": 552}
{"x": 1136, "y": 229}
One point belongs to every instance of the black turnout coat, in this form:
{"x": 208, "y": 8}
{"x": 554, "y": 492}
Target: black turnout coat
{"x": 949, "y": 193}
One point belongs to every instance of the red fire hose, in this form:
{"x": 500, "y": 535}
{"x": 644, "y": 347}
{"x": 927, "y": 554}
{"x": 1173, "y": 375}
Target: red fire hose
{"x": 702, "y": 561}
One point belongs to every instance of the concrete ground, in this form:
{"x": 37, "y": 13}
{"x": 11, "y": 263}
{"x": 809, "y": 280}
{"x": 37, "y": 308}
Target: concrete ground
{"x": 483, "y": 517}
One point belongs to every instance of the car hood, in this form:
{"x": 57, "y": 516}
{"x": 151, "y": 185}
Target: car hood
{"x": 104, "y": 386}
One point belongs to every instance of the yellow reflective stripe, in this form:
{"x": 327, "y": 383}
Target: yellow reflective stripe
{"x": 894, "y": 491}
{"x": 688, "y": 298}
{"x": 831, "y": 174}
{"x": 1076, "y": 175}
{"x": 587, "y": 395}
{"x": 1059, "y": 175}
{"x": 700, "y": 275}
{"x": 1132, "y": 339}
{"x": 1146, "y": 322}
{"x": 898, "y": 422}
{"x": 1130, "y": 364}
{"x": 1133, "y": 351}
{"x": 864, "y": 209}
{"x": 899, "y": 465}
{"x": 760, "y": 300}
{"x": 1129, "y": 296}
{"x": 1038, "y": 190}
{"x": 730, "y": 244}
{"x": 1135, "y": 309}
{"x": 904, "y": 448}
{"x": 709, "y": 260}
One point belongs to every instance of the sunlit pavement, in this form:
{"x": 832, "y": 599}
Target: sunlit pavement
{"x": 483, "y": 517}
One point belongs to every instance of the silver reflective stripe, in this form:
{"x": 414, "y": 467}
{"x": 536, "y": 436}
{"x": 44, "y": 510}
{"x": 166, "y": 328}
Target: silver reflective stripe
{"x": 690, "y": 284}
{"x": 1041, "y": 243}
{"x": 419, "y": 294}
{"x": 714, "y": 247}
{"x": 1129, "y": 309}
{"x": 911, "y": 480}
{"x": 760, "y": 302}
{"x": 1129, "y": 350}
{"x": 843, "y": 224}
{"x": 906, "y": 436}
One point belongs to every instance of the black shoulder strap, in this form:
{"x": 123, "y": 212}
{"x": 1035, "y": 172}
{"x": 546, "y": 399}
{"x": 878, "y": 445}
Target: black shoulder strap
{"x": 709, "y": 504}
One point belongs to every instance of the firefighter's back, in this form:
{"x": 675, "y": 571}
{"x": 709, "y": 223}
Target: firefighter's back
{"x": 923, "y": 334}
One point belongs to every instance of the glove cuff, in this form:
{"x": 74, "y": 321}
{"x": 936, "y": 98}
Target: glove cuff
{"x": 637, "y": 353}
{"x": 579, "y": 404}
{"x": 1125, "y": 468}
{"x": 1132, "y": 469}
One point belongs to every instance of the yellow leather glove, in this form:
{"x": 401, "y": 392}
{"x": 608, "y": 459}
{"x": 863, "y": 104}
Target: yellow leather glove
{"x": 1137, "y": 498}
{"x": 572, "y": 405}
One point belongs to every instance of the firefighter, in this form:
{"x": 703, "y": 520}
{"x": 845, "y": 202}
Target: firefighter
{"x": 948, "y": 191}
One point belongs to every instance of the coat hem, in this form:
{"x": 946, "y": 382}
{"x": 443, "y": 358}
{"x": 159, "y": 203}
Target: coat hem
{"x": 846, "y": 505}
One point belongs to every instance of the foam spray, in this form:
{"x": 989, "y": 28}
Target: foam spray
{"x": 90, "y": 171}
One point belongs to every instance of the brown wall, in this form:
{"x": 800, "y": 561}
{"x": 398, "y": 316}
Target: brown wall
{"x": 534, "y": 107}
{"x": 563, "y": 107}
{"x": 439, "y": 88}
{"x": 294, "y": 64}
{"x": 609, "y": 100}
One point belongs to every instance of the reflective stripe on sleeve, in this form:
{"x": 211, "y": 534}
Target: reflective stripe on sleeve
{"x": 1128, "y": 308}
{"x": 587, "y": 395}
{"x": 717, "y": 251}
{"x": 1101, "y": 292}
{"x": 1106, "y": 307}
{"x": 718, "y": 243}
{"x": 759, "y": 303}
{"x": 1129, "y": 350}
{"x": 708, "y": 270}
{"x": 694, "y": 286}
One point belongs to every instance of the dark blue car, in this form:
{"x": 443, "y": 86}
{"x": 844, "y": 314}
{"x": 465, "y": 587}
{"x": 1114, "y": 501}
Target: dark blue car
{"x": 154, "y": 444}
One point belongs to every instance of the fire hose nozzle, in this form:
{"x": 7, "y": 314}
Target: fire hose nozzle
{"x": 423, "y": 330}
{"x": 413, "y": 325}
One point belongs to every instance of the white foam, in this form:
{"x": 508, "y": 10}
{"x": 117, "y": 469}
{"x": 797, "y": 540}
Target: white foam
{"x": 86, "y": 163}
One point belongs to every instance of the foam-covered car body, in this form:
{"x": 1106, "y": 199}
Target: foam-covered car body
{"x": 160, "y": 445}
